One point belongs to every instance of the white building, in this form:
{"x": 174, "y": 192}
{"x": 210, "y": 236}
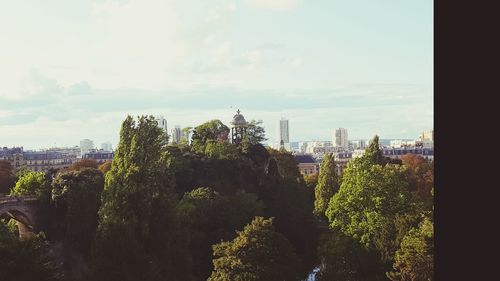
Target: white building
{"x": 162, "y": 123}
{"x": 284, "y": 137}
{"x": 358, "y": 144}
{"x": 340, "y": 138}
{"x": 85, "y": 146}
{"x": 176, "y": 134}
{"x": 106, "y": 146}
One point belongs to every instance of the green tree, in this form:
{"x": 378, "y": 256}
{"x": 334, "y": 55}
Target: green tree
{"x": 7, "y": 177}
{"x": 138, "y": 237}
{"x": 343, "y": 258}
{"x": 287, "y": 166}
{"x": 25, "y": 260}
{"x": 77, "y": 196}
{"x": 31, "y": 183}
{"x": 327, "y": 185}
{"x": 257, "y": 253}
{"x": 373, "y": 153}
{"x": 211, "y": 218}
{"x": 369, "y": 199}
{"x": 221, "y": 150}
{"x": 211, "y": 130}
{"x": 255, "y": 133}
{"x": 414, "y": 260}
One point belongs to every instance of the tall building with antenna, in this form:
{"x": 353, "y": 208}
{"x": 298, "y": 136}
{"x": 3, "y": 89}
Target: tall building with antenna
{"x": 284, "y": 134}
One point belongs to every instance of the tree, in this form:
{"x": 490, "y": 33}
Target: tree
{"x": 255, "y": 133}
{"x": 31, "y": 183}
{"x": 287, "y": 166}
{"x": 257, "y": 253}
{"x": 327, "y": 185}
{"x": 343, "y": 258}
{"x": 185, "y": 133}
{"x": 211, "y": 218}
{"x": 26, "y": 259}
{"x": 105, "y": 167}
{"x": 77, "y": 196}
{"x": 138, "y": 236}
{"x": 84, "y": 163}
{"x": 368, "y": 201}
{"x": 221, "y": 150}
{"x": 415, "y": 258}
{"x": 7, "y": 178}
{"x": 419, "y": 175}
{"x": 373, "y": 152}
{"x": 211, "y": 130}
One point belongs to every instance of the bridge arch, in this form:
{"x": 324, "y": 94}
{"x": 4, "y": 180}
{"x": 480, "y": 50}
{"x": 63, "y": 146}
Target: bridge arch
{"x": 22, "y": 210}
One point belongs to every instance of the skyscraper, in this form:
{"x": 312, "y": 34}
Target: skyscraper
{"x": 176, "y": 134}
{"x": 162, "y": 123}
{"x": 284, "y": 137}
{"x": 340, "y": 138}
{"x": 85, "y": 146}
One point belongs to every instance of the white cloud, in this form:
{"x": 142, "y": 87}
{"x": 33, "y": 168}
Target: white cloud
{"x": 278, "y": 5}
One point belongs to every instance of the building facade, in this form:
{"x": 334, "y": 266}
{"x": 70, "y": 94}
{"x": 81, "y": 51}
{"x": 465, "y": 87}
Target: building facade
{"x": 100, "y": 156}
{"x": 85, "y": 146}
{"x": 307, "y": 164}
{"x": 340, "y": 139}
{"x": 176, "y": 134}
{"x": 284, "y": 134}
{"x": 106, "y": 146}
{"x": 162, "y": 123}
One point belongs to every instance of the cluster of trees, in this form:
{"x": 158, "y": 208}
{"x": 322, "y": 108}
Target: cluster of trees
{"x": 213, "y": 210}
{"x": 160, "y": 212}
{"x": 381, "y": 218}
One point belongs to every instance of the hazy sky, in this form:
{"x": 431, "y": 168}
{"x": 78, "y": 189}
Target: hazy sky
{"x": 71, "y": 70}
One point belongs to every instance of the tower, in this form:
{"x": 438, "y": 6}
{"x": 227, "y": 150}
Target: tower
{"x": 238, "y": 128}
{"x": 284, "y": 135}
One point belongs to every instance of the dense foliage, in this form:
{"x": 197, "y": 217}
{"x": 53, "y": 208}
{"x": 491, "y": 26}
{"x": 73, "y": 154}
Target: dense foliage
{"x": 327, "y": 185}
{"x": 7, "y": 177}
{"x": 192, "y": 211}
{"x": 258, "y": 253}
{"x": 24, "y": 260}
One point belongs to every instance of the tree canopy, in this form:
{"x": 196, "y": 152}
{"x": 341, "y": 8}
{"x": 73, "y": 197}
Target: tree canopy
{"x": 257, "y": 253}
{"x": 327, "y": 185}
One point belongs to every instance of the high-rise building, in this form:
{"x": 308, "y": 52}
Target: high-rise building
{"x": 427, "y": 135}
{"x": 176, "y": 134}
{"x": 85, "y": 146}
{"x": 340, "y": 138}
{"x": 162, "y": 123}
{"x": 284, "y": 136}
{"x": 106, "y": 146}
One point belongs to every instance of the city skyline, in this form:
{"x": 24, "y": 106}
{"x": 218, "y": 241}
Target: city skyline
{"x": 72, "y": 71}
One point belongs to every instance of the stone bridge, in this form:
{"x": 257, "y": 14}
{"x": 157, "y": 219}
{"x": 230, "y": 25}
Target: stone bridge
{"x": 22, "y": 209}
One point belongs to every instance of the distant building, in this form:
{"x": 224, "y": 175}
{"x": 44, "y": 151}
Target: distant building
{"x": 307, "y": 164}
{"x": 176, "y": 134}
{"x": 85, "y": 146}
{"x": 340, "y": 138}
{"x": 238, "y": 128}
{"x": 396, "y": 153}
{"x": 42, "y": 161}
{"x": 13, "y": 155}
{"x": 106, "y": 146}
{"x": 162, "y": 123}
{"x": 284, "y": 134}
{"x": 427, "y": 135}
{"x": 341, "y": 160}
{"x": 358, "y": 144}
{"x": 100, "y": 156}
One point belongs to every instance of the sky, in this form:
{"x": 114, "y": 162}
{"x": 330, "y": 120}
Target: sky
{"x": 72, "y": 70}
